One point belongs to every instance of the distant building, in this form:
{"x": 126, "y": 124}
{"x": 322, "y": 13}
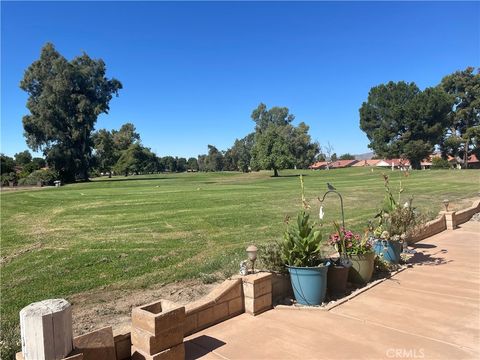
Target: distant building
{"x": 371, "y": 162}
{"x": 342, "y": 164}
{"x": 319, "y": 165}
{"x": 401, "y": 164}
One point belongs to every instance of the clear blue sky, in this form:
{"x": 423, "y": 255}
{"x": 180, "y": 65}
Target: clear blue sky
{"x": 193, "y": 72}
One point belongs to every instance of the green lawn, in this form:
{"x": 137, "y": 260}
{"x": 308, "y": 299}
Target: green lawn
{"x": 136, "y": 231}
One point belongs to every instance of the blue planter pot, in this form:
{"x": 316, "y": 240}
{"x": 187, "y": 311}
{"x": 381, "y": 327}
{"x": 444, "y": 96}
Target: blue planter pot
{"x": 309, "y": 284}
{"x": 389, "y": 250}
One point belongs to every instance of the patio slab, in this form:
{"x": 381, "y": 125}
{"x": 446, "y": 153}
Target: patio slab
{"x": 430, "y": 311}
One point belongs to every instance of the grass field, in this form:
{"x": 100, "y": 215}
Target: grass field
{"x": 137, "y": 231}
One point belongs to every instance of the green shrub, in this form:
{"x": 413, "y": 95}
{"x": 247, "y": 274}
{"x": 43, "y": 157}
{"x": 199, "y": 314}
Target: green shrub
{"x": 440, "y": 163}
{"x": 270, "y": 257}
{"x": 47, "y": 177}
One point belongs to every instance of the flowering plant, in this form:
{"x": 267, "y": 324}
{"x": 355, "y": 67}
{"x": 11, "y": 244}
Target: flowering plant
{"x": 349, "y": 243}
{"x": 395, "y": 222}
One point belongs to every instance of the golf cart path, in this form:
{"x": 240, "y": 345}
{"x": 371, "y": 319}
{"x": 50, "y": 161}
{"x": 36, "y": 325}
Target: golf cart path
{"x": 429, "y": 311}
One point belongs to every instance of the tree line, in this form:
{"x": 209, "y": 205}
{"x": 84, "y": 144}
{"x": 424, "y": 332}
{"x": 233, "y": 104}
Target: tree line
{"x": 400, "y": 120}
{"x": 65, "y": 99}
{"x": 276, "y": 144}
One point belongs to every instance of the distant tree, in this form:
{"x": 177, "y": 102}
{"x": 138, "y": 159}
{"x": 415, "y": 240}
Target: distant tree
{"x": 106, "y": 153}
{"x": 277, "y": 143}
{"x": 202, "y": 162}
{"x": 23, "y": 158}
{"x": 161, "y": 164}
{"x": 65, "y": 99}
{"x": 7, "y": 164}
{"x": 321, "y": 157}
{"x": 333, "y": 157}
{"x": 402, "y": 121}
{"x": 461, "y": 134}
{"x": 181, "y": 164}
{"x": 304, "y": 149}
{"x": 264, "y": 118}
{"x": 440, "y": 163}
{"x": 272, "y": 149}
{"x": 230, "y": 160}
{"x": 192, "y": 164}
{"x": 170, "y": 163}
{"x": 241, "y": 153}
{"x": 347, "y": 156}
{"x": 125, "y": 137}
{"x": 136, "y": 159}
{"x": 39, "y": 162}
{"x": 214, "y": 159}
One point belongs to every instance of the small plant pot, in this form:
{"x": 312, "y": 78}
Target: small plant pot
{"x": 388, "y": 250}
{"x": 337, "y": 277}
{"x": 309, "y": 284}
{"x": 362, "y": 268}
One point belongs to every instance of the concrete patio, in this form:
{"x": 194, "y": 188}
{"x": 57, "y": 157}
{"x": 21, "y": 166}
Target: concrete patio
{"x": 429, "y": 311}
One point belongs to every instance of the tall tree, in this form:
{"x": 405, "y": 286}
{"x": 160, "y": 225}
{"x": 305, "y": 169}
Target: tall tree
{"x": 105, "y": 152}
{"x": 304, "y": 149}
{"x": 7, "y": 164}
{"x": 214, "y": 160}
{"x": 202, "y": 162}
{"x": 136, "y": 159}
{"x": 272, "y": 149}
{"x": 192, "y": 164}
{"x": 65, "y": 99}
{"x": 263, "y": 117}
{"x": 125, "y": 137}
{"x": 170, "y": 163}
{"x": 23, "y": 158}
{"x": 277, "y": 143}
{"x": 460, "y": 139}
{"x": 239, "y": 155}
{"x": 402, "y": 121}
{"x": 181, "y": 164}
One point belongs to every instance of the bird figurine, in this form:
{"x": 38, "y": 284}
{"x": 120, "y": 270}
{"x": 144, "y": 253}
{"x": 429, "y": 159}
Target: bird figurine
{"x": 330, "y": 186}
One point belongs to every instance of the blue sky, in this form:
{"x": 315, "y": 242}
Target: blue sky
{"x": 193, "y": 72}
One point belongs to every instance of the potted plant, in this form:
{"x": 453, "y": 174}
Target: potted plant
{"x": 303, "y": 256}
{"x": 339, "y": 267}
{"x": 302, "y": 253}
{"x": 396, "y": 223}
{"x": 360, "y": 252}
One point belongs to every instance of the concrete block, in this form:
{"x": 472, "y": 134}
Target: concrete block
{"x": 152, "y": 344}
{"x": 256, "y": 289}
{"x": 157, "y": 317}
{"x": 190, "y": 324}
{"x": 199, "y": 305}
{"x": 229, "y": 289}
{"x": 96, "y": 345}
{"x": 46, "y": 330}
{"x": 206, "y": 317}
{"x": 258, "y": 305}
{"x": 123, "y": 345}
{"x": 174, "y": 353}
{"x": 220, "y": 311}
{"x": 450, "y": 220}
{"x": 235, "y": 306}
{"x": 257, "y": 277}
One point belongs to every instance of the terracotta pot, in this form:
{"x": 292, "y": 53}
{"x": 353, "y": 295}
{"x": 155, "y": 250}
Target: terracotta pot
{"x": 362, "y": 268}
{"x": 337, "y": 280}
